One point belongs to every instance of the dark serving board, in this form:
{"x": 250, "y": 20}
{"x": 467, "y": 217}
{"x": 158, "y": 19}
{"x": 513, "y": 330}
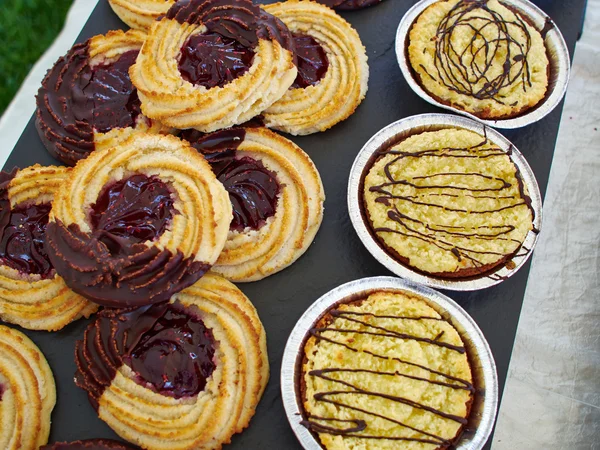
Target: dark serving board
{"x": 337, "y": 255}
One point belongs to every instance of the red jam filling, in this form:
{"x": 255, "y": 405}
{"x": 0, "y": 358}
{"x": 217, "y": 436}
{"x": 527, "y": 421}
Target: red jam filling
{"x": 212, "y": 60}
{"x": 106, "y": 98}
{"x": 253, "y": 190}
{"x": 131, "y": 211}
{"x": 175, "y": 355}
{"x": 312, "y": 61}
{"x": 22, "y": 232}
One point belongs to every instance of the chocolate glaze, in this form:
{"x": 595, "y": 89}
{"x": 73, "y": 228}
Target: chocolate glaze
{"x": 349, "y": 4}
{"x": 239, "y": 20}
{"x": 89, "y": 444}
{"x": 253, "y": 189}
{"x": 312, "y": 61}
{"x": 75, "y": 100}
{"x": 334, "y": 374}
{"x": 137, "y": 208}
{"x": 436, "y": 231}
{"x": 458, "y": 69}
{"x": 213, "y": 60}
{"x": 169, "y": 349}
{"x": 112, "y": 265}
{"x": 1, "y": 391}
{"x": 22, "y": 231}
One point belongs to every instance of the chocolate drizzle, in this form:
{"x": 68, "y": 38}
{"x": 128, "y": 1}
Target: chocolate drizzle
{"x": 76, "y": 100}
{"x": 349, "y": 4}
{"x": 253, "y": 189}
{"x": 89, "y": 444}
{"x": 472, "y": 69}
{"x": 472, "y": 185}
{"x": 169, "y": 350}
{"x": 369, "y": 324}
{"x": 112, "y": 265}
{"x": 22, "y": 232}
{"x": 239, "y": 20}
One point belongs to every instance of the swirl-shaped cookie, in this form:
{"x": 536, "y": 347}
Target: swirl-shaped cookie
{"x": 138, "y": 222}
{"x": 88, "y": 92}
{"x": 333, "y": 73}
{"x": 32, "y": 295}
{"x": 27, "y": 392}
{"x": 187, "y": 374}
{"x": 211, "y": 64}
{"x": 277, "y": 199}
{"x": 349, "y": 4}
{"x": 140, "y": 14}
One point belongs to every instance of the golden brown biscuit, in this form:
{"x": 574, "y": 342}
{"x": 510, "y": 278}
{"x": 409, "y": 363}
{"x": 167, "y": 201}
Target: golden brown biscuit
{"x": 32, "y": 295}
{"x": 481, "y": 57}
{"x": 202, "y": 392}
{"x": 276, "y": 194}
{"x": 140, "y": 14}
{"x": 137, "y": 222}
{"x": 448, "y": 203}
{"x": 211, "y": 64}
{"x": 386, "y": 372}
{"x": 333, "y": 73}
{"x": 27, "y": 392}
{"x": 88, "y": 92}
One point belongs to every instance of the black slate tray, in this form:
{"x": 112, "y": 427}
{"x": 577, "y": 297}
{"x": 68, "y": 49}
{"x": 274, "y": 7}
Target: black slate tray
{"x": 337, "y": 255}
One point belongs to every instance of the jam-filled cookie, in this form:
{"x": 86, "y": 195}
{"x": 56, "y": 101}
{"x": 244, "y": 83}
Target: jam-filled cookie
{"x": 276, "y": 194}
{"x": 137, "y": 222}
{"x": 349, "y": 4}
{"x": 211, "y": 64}
{"x": 482, "y": 57}
{"x": 140, "y": 14}
{"x": 386, "y": 372}
{"x": 332, "y": 69}
{"x": 89, "y": 444}
{"x": 88, "y": 92}
{"x": 186, "y": 374}
{"x": 27, "y": 392}
{"x": 448, "y": 203}
{"x": 32, "y": 295}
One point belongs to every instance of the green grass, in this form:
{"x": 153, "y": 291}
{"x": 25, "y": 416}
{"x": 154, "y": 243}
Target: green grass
{"x": 27, "y": 28}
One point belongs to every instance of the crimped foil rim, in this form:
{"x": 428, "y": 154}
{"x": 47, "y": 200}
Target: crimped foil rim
{"x": 485, "y": 405}
{"x": 418, "y": 124}
{"x": 557, "y": 51}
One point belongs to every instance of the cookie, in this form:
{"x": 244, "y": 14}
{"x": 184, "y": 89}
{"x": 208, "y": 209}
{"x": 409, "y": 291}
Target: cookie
{"x": 187, "y": 374}
{"x": 140, "y": 14}
{"x": 333, "y": 73}
{"x": 27, "y": 392}
{"x": 483, "y": 57}
{"x": 277, "y": 199}
{"x": 448, "y": 203}
{"x": 386, "y": 372}
{"x": 32, "y": 295}
{"x": 137, "y": 222}
{"x": 212, "y": 64}
{"x": 88, "y": 92}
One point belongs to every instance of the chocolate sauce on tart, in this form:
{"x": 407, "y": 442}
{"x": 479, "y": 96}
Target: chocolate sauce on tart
{"x": 312, "y": 61}
{"x": 349, "y": 4}
{"x": 89, "y": 444}
{"x": 212, "y": 60}
{"x": 253, "y": 189}
{"x": 22, "y": 233}
{"x": 115, "y": 266}
{"x": 169, "y": 350}
{"x": 238, "y": 20}
{"x": 76, "y": 99}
